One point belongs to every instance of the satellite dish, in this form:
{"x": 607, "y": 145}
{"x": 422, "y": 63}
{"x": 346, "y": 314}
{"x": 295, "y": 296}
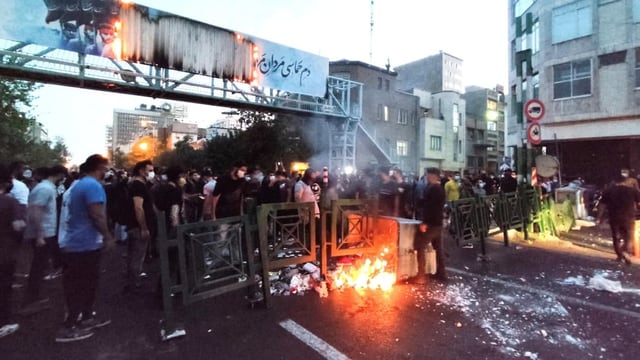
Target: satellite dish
{"x": 547, "y": 165}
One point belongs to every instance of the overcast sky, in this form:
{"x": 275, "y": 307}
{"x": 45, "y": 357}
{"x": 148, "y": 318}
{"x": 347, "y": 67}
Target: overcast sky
{"x": 404, "y": 30}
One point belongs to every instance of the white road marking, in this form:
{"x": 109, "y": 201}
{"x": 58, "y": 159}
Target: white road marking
{"x": 314, "y": 342}
{"x": 549, "y": 293}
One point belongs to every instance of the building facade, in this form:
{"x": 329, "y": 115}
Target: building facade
{"x": 435, "y": 73}
{"x": 130, "y": 125}
{"x": 582, "y": 60}
{"x": 441, "y": 130}
{"x": 485, "y": 124}
{"x": 387, "y": 131}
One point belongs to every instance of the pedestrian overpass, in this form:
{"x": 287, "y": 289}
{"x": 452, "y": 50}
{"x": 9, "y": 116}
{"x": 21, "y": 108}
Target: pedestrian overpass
{"x": 161, "y": 55}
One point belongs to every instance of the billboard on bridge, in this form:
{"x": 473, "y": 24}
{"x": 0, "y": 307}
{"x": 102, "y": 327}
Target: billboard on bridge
{"x": 120, "y": 29}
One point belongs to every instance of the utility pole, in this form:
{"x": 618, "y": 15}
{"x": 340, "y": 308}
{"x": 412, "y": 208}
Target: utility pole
{"x": 371, "y": 34}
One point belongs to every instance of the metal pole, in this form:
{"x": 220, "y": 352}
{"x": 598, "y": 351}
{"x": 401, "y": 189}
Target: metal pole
{"x": 555, "y": 138}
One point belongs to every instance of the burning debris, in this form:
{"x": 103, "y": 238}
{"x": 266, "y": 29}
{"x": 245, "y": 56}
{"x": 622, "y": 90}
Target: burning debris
{"x": 355, "y": 272}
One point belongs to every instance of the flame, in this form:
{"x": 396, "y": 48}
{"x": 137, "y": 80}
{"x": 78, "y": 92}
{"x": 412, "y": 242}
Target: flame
{"x": 117, "y": 48}
{"x": 367, "y": 273}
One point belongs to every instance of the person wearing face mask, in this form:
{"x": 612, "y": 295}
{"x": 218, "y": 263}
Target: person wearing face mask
{"x": 229, "y": 192}
{"x": 141, "y": 224}
{"x": 41, "y": 229}
{"x": 628, "y": 180}
{"x": 452, "y": 188}
{"x": 479, "y": 188}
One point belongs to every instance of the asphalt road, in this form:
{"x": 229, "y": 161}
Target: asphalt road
{"x": 527, "y": 301}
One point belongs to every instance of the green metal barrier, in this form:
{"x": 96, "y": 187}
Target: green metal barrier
{"x": 465, "y": 220}
{"x": 472, "y": 218}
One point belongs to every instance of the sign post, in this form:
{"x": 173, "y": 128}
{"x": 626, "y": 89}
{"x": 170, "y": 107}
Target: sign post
{"x": 534, "y": 110}
{"x": 534, "y": 134}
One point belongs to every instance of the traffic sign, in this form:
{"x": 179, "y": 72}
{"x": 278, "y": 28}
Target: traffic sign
{"x": 534, "y": 110}
{"x": 534, "y": 135}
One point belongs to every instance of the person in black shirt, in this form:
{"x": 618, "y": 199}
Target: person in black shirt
{"x": 620, "y": 202}
{"x": 431, "y": 228}
{"x": 167, "y": 196}
{"x": 508, "y": 184}
{"x": 229, "y": 192}
{"x": 142, "y": 225}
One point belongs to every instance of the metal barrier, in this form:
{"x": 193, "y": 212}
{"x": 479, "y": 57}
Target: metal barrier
{"x": 351, "y": 229}
{"x": 287, "y": 236}
{"x": 472, "y": 218}
{"x": 205, "y": 259}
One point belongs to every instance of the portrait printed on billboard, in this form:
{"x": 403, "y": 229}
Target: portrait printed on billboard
{"x": 126, "y": 31}
{"x": 84, "y": 26}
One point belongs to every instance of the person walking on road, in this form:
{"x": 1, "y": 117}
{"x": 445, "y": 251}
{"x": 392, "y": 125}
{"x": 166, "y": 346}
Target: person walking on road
{"x": 42, "y": 222}
{"x": 11, "y": 223}
{"x": 430, "y": 230}
{"x": 620, "y": 201}
{"x": 86, "y": 234}
{"x": 229, "y": 192}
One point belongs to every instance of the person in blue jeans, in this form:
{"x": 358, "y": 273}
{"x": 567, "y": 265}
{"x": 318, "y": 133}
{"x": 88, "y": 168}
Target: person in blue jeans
{"x": 86, "y": 234}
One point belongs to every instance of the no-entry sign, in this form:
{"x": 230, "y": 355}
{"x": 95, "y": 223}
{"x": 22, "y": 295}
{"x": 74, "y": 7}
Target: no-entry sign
{"x": 534, "y": 135}
{"x": 534, "y": 110}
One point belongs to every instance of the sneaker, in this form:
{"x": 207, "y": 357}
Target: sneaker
{"x": 8, "y": 329}
{"x": 94, "y": 322}
{"x": 34, "y": 307}
{"x": 71, "y": 334}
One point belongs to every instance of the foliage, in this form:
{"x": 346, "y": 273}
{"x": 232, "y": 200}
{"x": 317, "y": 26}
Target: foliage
{"x": 183, "y": 155}
{"x": 118, "y": 158}
{"x": 265, "y": 141}
{"x": 16, "y": 98}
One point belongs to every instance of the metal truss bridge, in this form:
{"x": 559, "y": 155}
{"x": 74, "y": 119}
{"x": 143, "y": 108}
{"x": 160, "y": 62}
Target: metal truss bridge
{"x": 342, "y": 102}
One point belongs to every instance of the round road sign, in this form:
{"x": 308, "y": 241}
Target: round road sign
{"x": 534, "y": 110}
{"x": 534, "y": 135}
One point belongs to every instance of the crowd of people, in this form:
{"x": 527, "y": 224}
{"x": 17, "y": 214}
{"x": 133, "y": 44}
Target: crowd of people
{"x": 67, "y": 218}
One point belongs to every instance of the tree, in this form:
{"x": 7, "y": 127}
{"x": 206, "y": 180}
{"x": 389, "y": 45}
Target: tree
{"x": 16, "y": 98}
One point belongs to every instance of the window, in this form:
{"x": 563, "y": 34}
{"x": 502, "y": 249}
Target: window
{"x": 413, "y": 118}
{"x": 386, "y": 84}
{"x": 520, "y": 6}
{"x": 536, "y": 86}
{"x": 638, "y": 67}
{"x": 572, "y": 79}
{"x": 636, "y": 10}
{"x": 386, "y": 113}
{"x": 571, "y": 21}
{"x": 456, "y": 115}
{"x": 492, "y": 104}
{"x": 618, "y": 57}
{"x": 403, "y": 117}
{"x": 379, "y": 83}
{"x": 492, "y": 126}
{"x": 380, "y": 113}
{"x": 535, "y": 37}
{"x": 436, "y": 143}
{"x": 402, "y": 148}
